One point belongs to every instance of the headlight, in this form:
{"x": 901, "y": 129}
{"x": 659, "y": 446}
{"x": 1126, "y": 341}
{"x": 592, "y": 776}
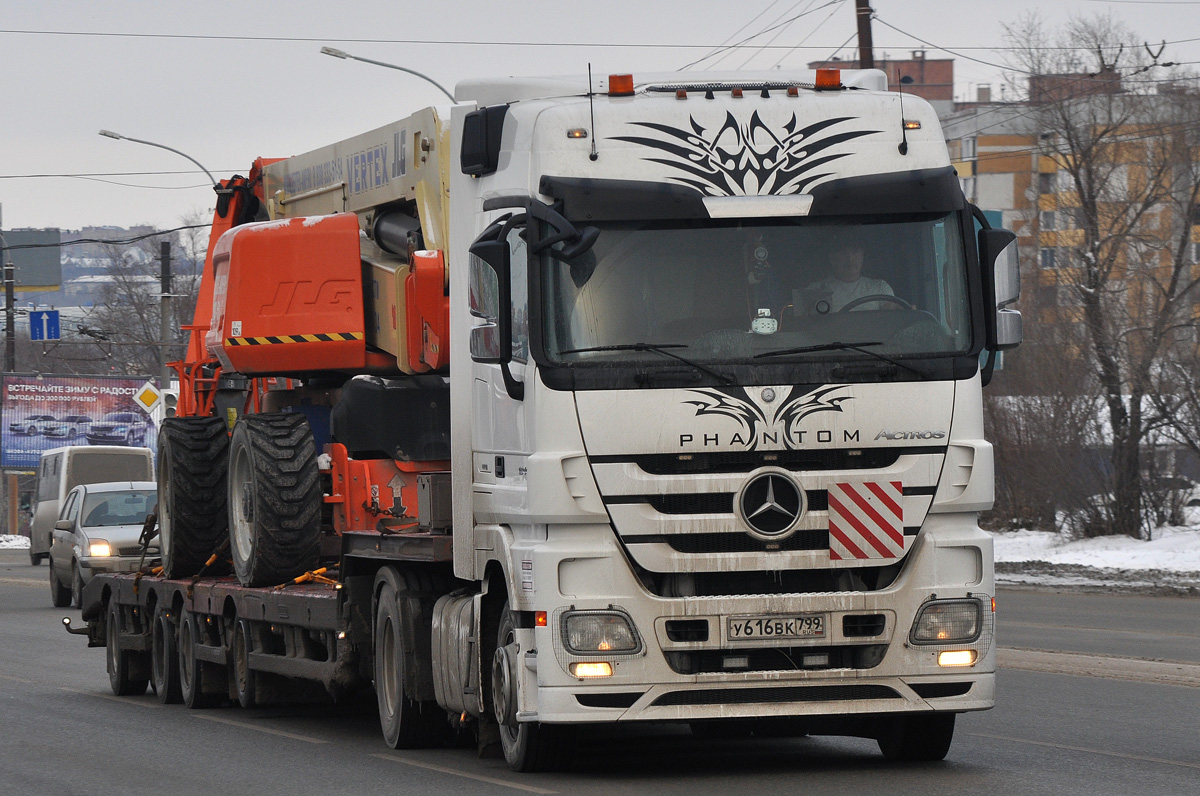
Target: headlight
{"x": 98, "y": 548}
{"x": 599, "y": 632}
{"x": 947, "y": 622}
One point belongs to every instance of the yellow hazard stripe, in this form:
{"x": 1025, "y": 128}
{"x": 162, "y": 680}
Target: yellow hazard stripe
{"x": 326, "y": 337}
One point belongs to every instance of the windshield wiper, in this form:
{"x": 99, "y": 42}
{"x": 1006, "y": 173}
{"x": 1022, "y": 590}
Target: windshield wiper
{"x": 657, "y": 348}
{"x": 838, "y": 346}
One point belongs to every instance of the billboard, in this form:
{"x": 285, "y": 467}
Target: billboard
{"x": 37, "y": 255}
{"x": 39, "y": 412}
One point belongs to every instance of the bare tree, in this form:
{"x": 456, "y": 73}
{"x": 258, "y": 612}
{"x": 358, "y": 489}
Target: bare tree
{"x": 1127, "y": 159}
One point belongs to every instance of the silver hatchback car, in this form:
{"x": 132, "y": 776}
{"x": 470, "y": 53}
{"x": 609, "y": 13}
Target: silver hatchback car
{"x": 98, "y": 531}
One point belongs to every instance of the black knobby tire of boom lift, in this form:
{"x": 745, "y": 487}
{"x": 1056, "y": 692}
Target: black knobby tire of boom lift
{"x": 60, "y": 595}
{"x": 915, "y": 738}
{"x": 164, "y": 659}
{"x": 192, "y": 467}
{"x": 409, "y": 716}
{"x": 531, "y": 746}
{"x": 193, "y": 672}
{"x": 128, "y": 672}
{"x": 282, "y": 476}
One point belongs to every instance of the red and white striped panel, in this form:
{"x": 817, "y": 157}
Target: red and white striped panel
{"x": 866, "y": 520}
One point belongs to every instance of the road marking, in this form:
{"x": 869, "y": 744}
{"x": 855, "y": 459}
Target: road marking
{"x": 1113, "y": 668}
{"x": 259, "y": 728}
{"x": 14, "y": 679}
{"x": 456, "y": 772}
{"x": 1123, "y": 755}
{"x": 141, "y": 703}
{"x": 24, "y": 582}
{"x": 1046, "y": 626}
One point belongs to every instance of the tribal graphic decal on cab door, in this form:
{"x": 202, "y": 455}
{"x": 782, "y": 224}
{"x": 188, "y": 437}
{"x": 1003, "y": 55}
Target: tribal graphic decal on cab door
{"x": 750, "y": 159}
{"x": 762, "y": 423}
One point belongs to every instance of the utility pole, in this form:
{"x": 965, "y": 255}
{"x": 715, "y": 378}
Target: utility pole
{"x": 866, "y": 50}
{"x": 10, "y": 329}
{"x": 164, "y": 312}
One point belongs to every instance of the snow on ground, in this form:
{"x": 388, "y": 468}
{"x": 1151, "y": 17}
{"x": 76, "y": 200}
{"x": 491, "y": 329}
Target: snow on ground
{"x": 9, "y": 542}
{"x": 1168, "y": 563}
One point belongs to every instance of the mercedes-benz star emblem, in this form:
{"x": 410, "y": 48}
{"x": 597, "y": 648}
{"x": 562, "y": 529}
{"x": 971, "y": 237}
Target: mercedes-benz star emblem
{"x": 771, "y": 504}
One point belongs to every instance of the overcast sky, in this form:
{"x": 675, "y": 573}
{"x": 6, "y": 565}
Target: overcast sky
{"x": 228, "y": 81}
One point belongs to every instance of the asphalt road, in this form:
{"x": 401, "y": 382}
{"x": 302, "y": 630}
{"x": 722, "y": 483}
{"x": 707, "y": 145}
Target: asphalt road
{"x": 1105, "y": 726}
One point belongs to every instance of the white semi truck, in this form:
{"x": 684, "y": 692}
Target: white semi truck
{"x": 709, "y": 449}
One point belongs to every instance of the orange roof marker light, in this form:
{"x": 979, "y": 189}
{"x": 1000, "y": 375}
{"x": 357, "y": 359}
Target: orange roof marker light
{"x": 620, "y": 85}
{"x": 828, "y": 79}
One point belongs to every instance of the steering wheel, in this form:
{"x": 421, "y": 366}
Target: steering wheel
{"x": 878, "y": 297}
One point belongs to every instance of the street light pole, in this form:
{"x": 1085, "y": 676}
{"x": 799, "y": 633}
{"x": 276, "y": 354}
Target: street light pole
{"x": 164, "y": 307}
{"x": 10, "y": 323}
{"x": 336, "y": 53}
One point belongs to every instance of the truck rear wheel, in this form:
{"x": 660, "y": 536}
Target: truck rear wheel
{"x": 192, "y": 467}
{"x": 917, "y": 738}
{"x": 274, "y": 498}
{"x": 127, "y": 671}
{"x": 243, "y": 677}
{"x": 164, "y": 660}
{"x": 407, "y": 722}
{"x": 529, "y": 745}
{"x": 192, "y": 671}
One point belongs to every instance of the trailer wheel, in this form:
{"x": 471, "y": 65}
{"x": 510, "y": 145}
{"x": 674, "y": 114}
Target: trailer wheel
{"x": 407, "y": 722}
{"x": 164, "y": 659}
{"x": 243, "y": 676}
{"x": 530, "y": 745}
{"x": 126, "y": 670}
{"x": 192, "y": 467}
{"x": 192, "y": 671}
{"x": 60, "y": 595}
{"x": 916, "y": 738}
{"x": 274, "y": 498}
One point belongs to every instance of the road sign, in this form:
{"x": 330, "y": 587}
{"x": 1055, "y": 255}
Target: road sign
{"x": 147, "y": 396}
{"x": 43, "y": 325}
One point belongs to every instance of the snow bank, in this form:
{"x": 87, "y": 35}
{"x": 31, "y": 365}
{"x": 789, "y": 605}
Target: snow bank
{"x": 1171, "y": 549}
{"x": 9, "y": 542}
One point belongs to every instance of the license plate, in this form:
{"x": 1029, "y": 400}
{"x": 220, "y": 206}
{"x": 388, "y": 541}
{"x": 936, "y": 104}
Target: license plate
{"x": 797, "y": 626}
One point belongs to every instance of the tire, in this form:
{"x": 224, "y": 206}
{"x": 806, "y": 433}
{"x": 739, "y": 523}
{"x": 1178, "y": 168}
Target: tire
{"x": 406, "y": 722}
{"x": 35, "y": 559}
{"x": 76, "y": 586}
{"x": 527, "y": 746}
{"x": 164, "y": 659}
{"x": 918, "y": 738}
{"x": 127, "y": 671}
{"x": 192, "y": 467}
{"x": 192, "y": 672}
{"x": 60, "y": 595}
{"x": 241, "y": 675}
{"x": 274, "y": 499}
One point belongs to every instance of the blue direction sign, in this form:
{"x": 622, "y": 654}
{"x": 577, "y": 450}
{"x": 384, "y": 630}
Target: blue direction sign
{"x": 43, "y": 325}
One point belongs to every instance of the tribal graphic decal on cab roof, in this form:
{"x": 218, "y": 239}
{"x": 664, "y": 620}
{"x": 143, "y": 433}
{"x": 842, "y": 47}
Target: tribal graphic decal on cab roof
{"x": 763, "y": 423}
{"x": 750, "y": 159}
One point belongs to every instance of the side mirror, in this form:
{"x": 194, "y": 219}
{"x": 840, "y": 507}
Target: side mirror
{"x": 64, "y": 525}
{"x": 488, "y": 288}
{"x": 1002, "y": 287}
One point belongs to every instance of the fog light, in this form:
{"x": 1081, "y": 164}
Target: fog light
{"x": 589, "y": 632}
{"x": 947, "y": 621}
{"x": 99, "y": 548}
{"x": 600, "y": 669}
{"x": 957, "y": 658}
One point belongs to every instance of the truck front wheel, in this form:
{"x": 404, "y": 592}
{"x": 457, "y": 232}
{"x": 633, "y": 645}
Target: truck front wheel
{"x": 915, "y": 738}
{"x": 274, "y": 498}
{"x": 528, "y": 746}
{"x": 192, "y": 466}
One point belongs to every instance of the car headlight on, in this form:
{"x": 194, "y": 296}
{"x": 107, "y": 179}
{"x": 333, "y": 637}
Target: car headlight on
{"x": 599, "y": 633}
{"x": 947, "y": 622}
{"x": 98, "y": 548}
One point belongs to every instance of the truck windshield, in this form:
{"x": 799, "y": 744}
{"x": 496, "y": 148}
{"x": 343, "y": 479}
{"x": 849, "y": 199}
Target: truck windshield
{"x": 728, "y": 291}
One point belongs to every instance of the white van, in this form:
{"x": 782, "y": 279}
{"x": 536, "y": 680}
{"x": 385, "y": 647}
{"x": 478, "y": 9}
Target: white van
{"x": 62, "y": 469}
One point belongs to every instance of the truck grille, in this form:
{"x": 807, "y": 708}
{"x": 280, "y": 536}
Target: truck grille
{"x": 747, "y": 461}
{"x": 775, "y": 659}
